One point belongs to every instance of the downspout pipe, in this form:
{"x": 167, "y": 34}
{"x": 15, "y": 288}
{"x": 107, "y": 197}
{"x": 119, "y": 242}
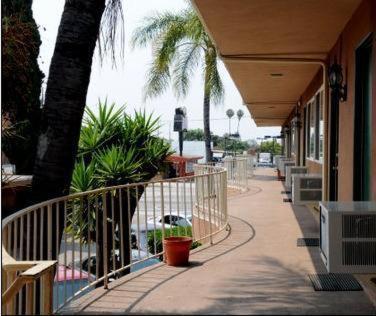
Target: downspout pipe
{"x": 296, "y": 61}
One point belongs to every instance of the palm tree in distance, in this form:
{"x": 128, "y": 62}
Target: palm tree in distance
{"x": 180, "y": 45}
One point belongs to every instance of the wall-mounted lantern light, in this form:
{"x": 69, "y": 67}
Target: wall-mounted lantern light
{"x": 296, "y": 123}
{"x": 336, "y": 80}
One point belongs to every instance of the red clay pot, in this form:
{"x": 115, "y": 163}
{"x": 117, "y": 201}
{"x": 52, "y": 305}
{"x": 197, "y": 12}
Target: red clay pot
{"x": 177, "y": 250}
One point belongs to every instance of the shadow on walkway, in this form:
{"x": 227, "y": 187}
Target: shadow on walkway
{"x": 124, "y": 294}
{"x": 280, "y": 292}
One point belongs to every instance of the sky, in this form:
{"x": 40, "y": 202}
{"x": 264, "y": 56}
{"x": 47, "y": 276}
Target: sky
{"x": 123, "y": 85}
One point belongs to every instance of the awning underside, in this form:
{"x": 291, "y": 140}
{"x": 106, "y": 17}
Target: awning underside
{"x": 303, "y": 29}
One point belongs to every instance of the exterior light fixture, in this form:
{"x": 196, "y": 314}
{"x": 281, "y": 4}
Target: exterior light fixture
{"x": 296, "y": 123}
{"x": 336, "y": 80}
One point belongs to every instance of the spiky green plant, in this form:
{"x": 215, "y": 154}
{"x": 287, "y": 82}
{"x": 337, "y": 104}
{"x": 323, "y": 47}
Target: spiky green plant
{"x": 114, "y": 148}
{"x": 180, "y": 45}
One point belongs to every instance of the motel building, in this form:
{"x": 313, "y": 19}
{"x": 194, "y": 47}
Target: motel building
{"x": 309, "y": 67}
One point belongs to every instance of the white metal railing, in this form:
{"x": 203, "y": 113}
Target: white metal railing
{"x": 62, "y": 248}
{"x": 237, "y": 172}
{"x": 251, "y": 162}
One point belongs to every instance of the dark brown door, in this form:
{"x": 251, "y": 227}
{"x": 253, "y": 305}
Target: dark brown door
{"x": 333, "y": 151}
{"x": 363, "y": 122}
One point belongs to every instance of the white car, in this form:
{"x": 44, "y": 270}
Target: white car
{"x": 172, "y": 220}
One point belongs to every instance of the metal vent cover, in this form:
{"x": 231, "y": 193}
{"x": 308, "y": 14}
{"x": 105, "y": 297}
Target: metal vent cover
{"x": 359, "y": 226}
{"x": 310, "y": 195}
{"x": 359, "y": 253}
{"x": 311, "y": 183}
{"x": 334, "y": 282}
{"x": 308, "y": 242}
{"x": 298, "y": 170}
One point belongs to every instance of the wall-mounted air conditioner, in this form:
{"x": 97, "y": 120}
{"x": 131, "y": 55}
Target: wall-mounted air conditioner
{"x": 276, "y": 159}
{"x": 281, "y": 161}
{"x": 348, "y": 236}
{"x": 306, "y": 188}
{"x": 291, "y": 170}
{"x": 284, "y": 165}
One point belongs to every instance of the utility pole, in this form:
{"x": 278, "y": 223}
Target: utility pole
{"x": 180, "y": 125}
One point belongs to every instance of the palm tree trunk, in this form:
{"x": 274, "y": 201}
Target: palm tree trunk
{"x": 67, "y": 86}
{"x": 62, "y": 113}
{"x": 207, "y": 134}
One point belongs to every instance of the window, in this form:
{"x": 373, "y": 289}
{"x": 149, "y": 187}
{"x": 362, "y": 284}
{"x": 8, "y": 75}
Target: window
{"x": 306, "y": 124}
{"x": 315, "y": 127}
{"x": 293, "y": 141}
{"x": 312, "y": 130}
{"x": 321, "y": 127}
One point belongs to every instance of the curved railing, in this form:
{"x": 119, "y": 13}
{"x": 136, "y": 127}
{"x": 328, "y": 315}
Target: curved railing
{"x": 62, "y": 248}
{"x": 237, "y": 172}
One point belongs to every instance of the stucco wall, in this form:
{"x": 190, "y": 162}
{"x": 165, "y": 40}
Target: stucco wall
{"x": 314, "y": 166}
{"x": 362, "y": 23}
{"x": 358, "y": 28}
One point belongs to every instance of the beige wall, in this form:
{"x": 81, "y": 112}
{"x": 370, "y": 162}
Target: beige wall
{"x": 357, "y": 29}
{"x": 314, "y": 166}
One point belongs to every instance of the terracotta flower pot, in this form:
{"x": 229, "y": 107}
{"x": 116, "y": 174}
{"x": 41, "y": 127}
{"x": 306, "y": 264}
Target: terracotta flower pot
{"x": 177, "y": 250}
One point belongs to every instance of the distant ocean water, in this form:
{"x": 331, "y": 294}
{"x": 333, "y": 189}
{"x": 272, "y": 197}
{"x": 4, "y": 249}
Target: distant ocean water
{"x": 191, "y": 148}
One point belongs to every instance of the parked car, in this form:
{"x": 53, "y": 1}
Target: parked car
{"x": 69, "y": 281}
{"x": 172, "y": 220}
{"x": 265, "y": 158}
{"x": 218, "y": 157}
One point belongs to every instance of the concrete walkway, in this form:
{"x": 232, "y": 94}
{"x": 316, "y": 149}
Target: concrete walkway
{"x": 254, "y": 269}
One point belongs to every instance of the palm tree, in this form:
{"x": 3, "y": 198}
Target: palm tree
{"x": 83, "y": 23}
{"x": 65, "y": 99}
{"x": 239, "y": 114}
{"x": 180, "y": 44}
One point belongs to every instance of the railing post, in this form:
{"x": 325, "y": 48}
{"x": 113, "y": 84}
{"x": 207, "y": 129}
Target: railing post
{"x": 209, "y": 207}
{"x": 11, "y": 309}
{"x": 4, "y": 284}
{"x": 49, "y": 231}
{"x": 47, "y": 292}
{"x": 163, "y": 221}
{"x": 105, "y": 259}
{"x": 30, "y": 298}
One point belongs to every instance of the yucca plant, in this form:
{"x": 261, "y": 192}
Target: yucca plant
{"x": 114, "y": 149}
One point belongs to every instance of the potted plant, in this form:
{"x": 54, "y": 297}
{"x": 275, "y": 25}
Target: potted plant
{"x": 177, "y": 250}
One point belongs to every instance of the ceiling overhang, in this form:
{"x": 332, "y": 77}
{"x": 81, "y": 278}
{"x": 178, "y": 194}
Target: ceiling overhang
{"x": 272, "y": 48}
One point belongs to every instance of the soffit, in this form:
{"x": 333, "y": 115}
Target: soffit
{"x": 274, "y": 28}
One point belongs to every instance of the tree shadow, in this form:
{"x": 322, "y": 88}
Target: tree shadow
{"x": 124, "y": 294}
{"x": 282, "y": 291}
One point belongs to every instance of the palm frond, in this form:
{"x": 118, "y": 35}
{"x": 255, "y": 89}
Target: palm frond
{"x": 178, "y": 42}
{"x": 152, "y": 27}
{"x": 111, "y": 24}
{"x": 213, "y": 81}
{"x": 186, "y": 62}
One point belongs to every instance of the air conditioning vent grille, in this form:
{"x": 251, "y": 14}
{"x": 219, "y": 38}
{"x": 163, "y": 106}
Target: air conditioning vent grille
{"x": 356, "y": 253}
{"x": 298, "y": 171}
{"x": 359, "y": 226}
{"x": 310, "y": 195}
{"x": 313, "y": 183}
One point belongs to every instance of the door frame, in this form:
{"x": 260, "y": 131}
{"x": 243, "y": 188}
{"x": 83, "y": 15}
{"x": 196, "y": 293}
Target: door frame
{"x": 333, "y": 145}
{"x": 359, "y": 119}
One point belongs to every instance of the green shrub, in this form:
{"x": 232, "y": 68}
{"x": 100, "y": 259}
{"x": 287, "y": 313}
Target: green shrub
{"x": 175, "y": 231}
